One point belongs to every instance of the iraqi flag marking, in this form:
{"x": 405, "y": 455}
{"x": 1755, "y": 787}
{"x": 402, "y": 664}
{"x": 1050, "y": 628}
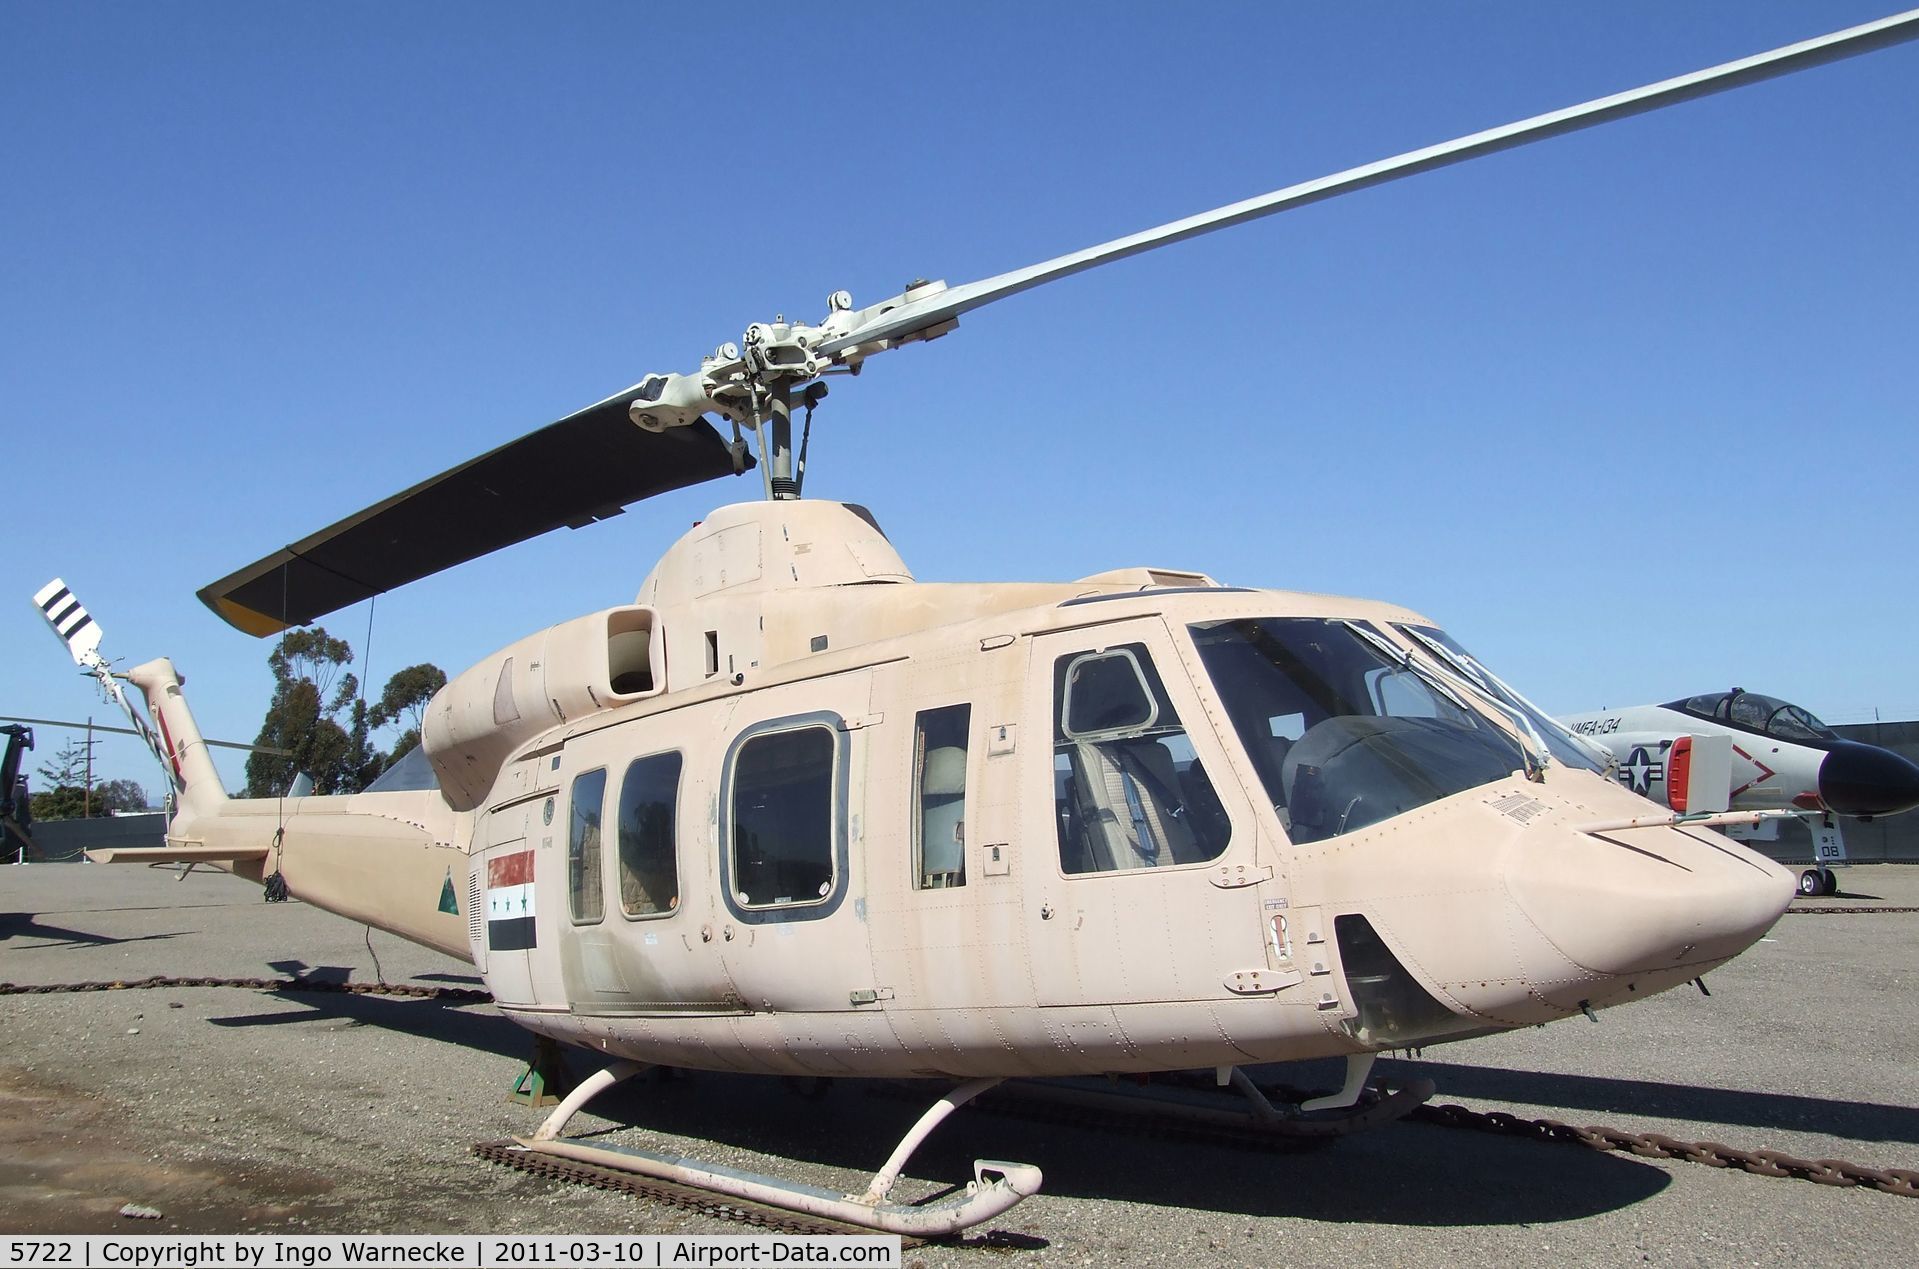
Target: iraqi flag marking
{"x": 509, "y": 902}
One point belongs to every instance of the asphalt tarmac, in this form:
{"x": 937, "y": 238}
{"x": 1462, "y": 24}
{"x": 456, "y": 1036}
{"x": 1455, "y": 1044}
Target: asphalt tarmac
{"x": 249, "y": 1111}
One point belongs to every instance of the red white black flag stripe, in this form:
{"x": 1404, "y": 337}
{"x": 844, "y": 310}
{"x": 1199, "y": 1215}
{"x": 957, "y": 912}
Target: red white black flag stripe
{"x": 509, "y": 902}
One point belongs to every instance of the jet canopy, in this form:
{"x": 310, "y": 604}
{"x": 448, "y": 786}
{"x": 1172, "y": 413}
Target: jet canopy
{"x": 1749, "y": 711}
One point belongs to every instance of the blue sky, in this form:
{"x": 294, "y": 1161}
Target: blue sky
{"x": 1631, "y": 412}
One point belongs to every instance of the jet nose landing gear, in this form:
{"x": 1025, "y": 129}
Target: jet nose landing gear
{"x": 1814, "y": 882}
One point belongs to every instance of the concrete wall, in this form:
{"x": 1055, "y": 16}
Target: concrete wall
{"x": 61, "y": 841}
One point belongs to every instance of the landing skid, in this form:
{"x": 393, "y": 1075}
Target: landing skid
{"x": 1252, "y": 1118}
{"x": 995, "y": 1187}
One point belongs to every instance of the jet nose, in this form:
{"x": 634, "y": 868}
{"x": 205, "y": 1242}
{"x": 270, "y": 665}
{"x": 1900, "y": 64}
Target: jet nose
{"x": 1856, "y": 779}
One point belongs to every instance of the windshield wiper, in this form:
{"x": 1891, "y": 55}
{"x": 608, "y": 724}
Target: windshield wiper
{"x": 1601, "y": 758}
{"x": 1537, "y": 754}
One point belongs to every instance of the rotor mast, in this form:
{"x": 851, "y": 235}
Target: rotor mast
{"x": 779, "y": 364}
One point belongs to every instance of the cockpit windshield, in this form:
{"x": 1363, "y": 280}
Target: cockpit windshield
{"x": 1563, "y": 745}
{"x": 1749, "y": 711}
{"x": 1341, "y": 735}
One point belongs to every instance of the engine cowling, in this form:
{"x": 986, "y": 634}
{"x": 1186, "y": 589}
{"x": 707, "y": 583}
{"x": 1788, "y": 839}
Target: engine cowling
{"x": 597, "y": 662}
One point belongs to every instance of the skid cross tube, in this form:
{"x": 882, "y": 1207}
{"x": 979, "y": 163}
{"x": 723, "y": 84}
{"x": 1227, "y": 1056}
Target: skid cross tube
{"x": 995, "y": 1187}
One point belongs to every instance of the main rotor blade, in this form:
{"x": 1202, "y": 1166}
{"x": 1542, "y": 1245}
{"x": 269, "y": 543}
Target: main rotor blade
{"x": 589, "y": 466}
{"x": 919, "y": 315}
{"x": 128, "y": 731}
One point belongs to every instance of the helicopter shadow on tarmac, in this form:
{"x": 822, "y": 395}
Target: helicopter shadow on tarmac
{"x": 1399, "y": 1175}
{"x": 1861, "y": 1121}
{"x": 1403, "y": 1174}
{"x": 27, "y": 925}
{"x": 454, "y": 1022}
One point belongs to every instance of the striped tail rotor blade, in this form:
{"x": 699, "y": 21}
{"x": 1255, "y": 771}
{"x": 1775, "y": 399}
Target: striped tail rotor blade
{"x": 79, "y": 631}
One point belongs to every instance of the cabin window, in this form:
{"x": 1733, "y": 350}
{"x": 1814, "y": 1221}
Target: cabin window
{"x": 584, "y": 893}
{"x": 649, "y": 865}
{"x": 783, "y": 818}
{"x": 939, "y": 797}
{"x": 1129, "y": 790}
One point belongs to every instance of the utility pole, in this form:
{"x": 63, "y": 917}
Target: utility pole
{"x": 86, "y": 795}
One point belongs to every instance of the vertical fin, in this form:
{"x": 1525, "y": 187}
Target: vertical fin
{"x": 185, "y": 750}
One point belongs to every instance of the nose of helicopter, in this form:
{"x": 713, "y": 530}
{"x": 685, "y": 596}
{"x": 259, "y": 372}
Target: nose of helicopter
{"x": 1650, "y": 900}
{"x": 1856, "y": 779}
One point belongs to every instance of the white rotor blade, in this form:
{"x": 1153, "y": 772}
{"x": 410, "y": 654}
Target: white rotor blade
{"x": 917, "y": 315}
{"x": 73, "y": 626}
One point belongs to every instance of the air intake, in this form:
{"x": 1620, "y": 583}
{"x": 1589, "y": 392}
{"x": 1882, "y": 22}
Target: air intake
{"x": 1394, "y": 1010}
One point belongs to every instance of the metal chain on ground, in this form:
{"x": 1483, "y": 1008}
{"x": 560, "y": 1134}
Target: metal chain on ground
{"x": 509, "y": 1153}
{"x": 1654, "y": 1145}
{"x": 462, "y": 994}
{"x": 1827, "y": 909}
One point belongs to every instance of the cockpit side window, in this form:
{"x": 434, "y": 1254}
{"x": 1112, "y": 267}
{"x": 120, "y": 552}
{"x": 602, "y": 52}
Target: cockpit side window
{"x": 1789, "y": 722}
{"x": 1711, "y": 705}
{"x": 1368, "y": 751}
{"x": 1129, "y": 790}
{"x": 1749, "y": 709}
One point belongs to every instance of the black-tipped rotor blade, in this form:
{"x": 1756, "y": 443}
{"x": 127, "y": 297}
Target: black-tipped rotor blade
{"x": 589, "y": 466}
{"x": 904, "y": 321}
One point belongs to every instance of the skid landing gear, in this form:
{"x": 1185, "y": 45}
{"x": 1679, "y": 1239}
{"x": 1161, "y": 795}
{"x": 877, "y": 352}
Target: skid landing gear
{"x": 1250, "y": 1119}
{"x": 995, "y": 1187}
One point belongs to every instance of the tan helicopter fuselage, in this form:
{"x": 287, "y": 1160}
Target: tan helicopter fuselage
{"x": 794, "y": 812}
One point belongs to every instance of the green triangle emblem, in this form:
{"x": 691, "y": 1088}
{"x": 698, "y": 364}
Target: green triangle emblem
{"x": 449, "y": 902}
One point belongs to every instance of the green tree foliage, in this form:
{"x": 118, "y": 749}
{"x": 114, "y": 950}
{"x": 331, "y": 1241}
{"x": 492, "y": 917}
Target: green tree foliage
{"x": 311, "y": 654}
{"x": 314, "y": 743}
{"x": 67, "y": 802}
{"x": 406, "y": 696}
{"x": 405, "y": 700}
{"x": 330, "y": 737}
{"x": 63, "y": 777}
{"x": 301, "y": 720}
{"x": 118, "y": 795}
{"x": 409, "y": 741}
{"x": 66, "y": 768}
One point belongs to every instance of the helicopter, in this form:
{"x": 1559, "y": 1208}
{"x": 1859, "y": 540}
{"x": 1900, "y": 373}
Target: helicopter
{"x": 793, "y": 811}
{"x": 1776, "y": 755}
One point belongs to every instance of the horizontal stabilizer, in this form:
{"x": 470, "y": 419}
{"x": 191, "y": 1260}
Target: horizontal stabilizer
{"x": 177, "y": 854}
